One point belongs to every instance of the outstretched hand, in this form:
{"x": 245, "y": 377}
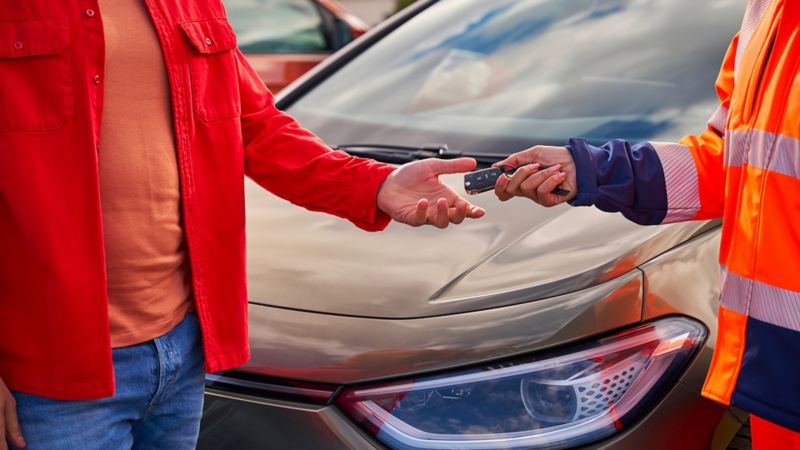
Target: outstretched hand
{"x": 540, "y": 171}
{"x": 414, "y": 195}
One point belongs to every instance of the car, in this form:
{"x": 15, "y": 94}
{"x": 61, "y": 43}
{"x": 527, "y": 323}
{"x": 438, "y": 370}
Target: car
{"x": 283, "y": 39}
{"x": 529, "y": 328}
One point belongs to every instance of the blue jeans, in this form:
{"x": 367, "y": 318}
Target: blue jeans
{"x": 157, "y": 405}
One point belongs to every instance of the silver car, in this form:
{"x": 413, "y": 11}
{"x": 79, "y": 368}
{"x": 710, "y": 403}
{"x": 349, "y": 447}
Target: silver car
{"x": 531, "y": 328}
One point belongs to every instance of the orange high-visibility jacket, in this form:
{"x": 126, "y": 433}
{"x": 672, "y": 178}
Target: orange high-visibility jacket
{"x": 744, "y": 168}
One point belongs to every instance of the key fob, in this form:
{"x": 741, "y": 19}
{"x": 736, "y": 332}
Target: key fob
{"x": 481, "y": 180}
{"x": 484, "y": 180}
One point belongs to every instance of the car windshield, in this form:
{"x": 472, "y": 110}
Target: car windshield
{"x": 501, "y": 75}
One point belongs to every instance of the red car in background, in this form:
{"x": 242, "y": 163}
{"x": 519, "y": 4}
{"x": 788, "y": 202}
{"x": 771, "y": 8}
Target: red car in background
{"x": 285, "y": 38}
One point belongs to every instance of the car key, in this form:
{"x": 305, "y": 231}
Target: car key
{"x": 484, "y": 180}
{"x": 481, "y": 180}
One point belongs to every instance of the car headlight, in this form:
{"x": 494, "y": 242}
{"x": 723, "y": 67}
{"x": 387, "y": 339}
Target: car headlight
{"x": 572, "y": 397}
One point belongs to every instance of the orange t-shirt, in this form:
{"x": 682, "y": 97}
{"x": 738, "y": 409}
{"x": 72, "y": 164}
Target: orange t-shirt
{"x": 146, "y": 256}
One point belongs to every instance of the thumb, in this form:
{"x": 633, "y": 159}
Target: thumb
{"x": 458, "y": 165}
{"x": 510, "y": 161}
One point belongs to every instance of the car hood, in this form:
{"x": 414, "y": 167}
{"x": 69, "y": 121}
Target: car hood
{"x": 518, "y": 252}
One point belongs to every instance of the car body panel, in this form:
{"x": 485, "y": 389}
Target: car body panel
{"x": 663, "y": 296}
{"x": 695, "y": 260}
{"x": 335, "y": 352}
{"x": 519, "y": 252}
{"x": 333, "y": 349}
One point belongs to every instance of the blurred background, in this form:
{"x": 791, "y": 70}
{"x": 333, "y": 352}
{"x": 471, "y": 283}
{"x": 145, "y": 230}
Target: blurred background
{"x": 374, "y": 11}
{"x": 283, "y": 39}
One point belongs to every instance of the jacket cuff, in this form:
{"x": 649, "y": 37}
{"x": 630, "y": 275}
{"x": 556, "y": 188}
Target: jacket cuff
{"x": 585, "y": 172}
{"x": 369, "y": 217}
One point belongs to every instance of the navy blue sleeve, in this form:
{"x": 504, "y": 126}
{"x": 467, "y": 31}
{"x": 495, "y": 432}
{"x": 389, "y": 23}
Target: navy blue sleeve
{"x": 618, "y": 177}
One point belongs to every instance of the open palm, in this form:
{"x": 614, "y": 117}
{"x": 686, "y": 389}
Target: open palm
{"x": 414, "y": 195}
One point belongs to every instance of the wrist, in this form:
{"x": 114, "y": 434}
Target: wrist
{"x": 585, "y": 177}
{"x": 380, "y": 198}
{"x": 383, "y": 203}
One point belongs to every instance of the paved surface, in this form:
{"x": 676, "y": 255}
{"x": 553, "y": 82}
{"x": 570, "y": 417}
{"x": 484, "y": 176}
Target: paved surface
{"x": 370, "y": 11}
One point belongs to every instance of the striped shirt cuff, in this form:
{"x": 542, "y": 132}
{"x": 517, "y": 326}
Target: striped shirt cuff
{"x": 680, "y": 174}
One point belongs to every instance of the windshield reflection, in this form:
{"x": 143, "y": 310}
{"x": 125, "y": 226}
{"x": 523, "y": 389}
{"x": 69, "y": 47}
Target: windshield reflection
{"x": 502, "y": 75}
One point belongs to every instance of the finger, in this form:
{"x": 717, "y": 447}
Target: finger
{"x": 520, "y": 158}
{"x": 13, "y": 432}
{"x": 3, "y": 432}
{"x": 438, "y": 214}
{"x": 520, "y": 176}
{"x": 529, "y": 187}
{"x": 458, "y": 213}
{"x": 458, "y": 165}
{"x": 510, "y": 161}
{"x": 421, "y": 214}
{"x": 475, "y": 212}
{"x": 442, "y": 216}
{"x": 500, "y": 189}
{"x": 545, "y": 189}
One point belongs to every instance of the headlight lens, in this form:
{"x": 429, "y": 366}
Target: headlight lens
{"x": 576, "y": 396}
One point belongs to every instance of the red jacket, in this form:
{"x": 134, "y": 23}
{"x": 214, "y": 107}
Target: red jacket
{"x": 54, "y": 335}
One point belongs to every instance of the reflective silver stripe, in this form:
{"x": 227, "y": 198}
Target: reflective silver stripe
{"x": 767, "y": 303}
{"x": 719, "y": 120}
{"x": 735, "y": 145}
{"x": 680, "y": 175}
{"x": 785, "y": 151}
{"x": 734, "y": 288}
{"x": 752, "y": 17}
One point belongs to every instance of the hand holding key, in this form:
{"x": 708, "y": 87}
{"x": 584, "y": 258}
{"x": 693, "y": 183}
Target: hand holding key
{"x": 541, "y": 172}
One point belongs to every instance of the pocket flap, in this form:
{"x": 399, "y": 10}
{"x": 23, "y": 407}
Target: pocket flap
{"x": 210, "y": 36}
{"x": 32, "y": 37}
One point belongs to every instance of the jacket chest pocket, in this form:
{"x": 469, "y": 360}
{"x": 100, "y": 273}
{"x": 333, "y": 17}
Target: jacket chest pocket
{"x": 212, "y": 64}
{"x": 35, "y": 75}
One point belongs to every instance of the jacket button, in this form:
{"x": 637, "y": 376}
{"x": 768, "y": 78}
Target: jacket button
{"x": 96, "y": 79}
{"x": 18, "y": 45}
{"x": 89, "y": 13}
{"x": 208, "y": 41}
